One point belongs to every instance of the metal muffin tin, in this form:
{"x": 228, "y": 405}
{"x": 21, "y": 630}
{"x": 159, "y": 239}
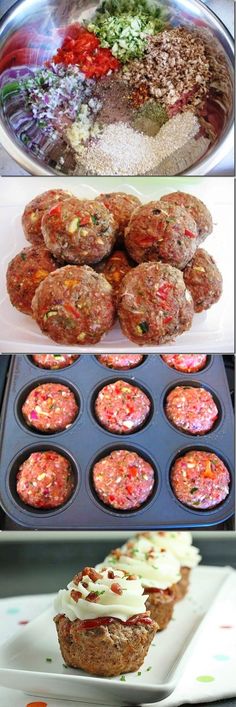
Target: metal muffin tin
{"x": 158, "y": 441}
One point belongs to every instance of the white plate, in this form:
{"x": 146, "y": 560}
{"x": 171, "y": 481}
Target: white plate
{"x": 23, "y": 663}
{"x": 212, "y": 331}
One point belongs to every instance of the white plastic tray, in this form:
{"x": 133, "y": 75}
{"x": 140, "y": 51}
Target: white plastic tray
{"x": 23, "y": 663}
{"x": 212, "y": 331}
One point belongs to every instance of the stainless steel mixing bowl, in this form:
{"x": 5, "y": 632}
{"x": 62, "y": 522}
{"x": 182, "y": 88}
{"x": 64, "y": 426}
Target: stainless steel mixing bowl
{"x": 57, "y": 13}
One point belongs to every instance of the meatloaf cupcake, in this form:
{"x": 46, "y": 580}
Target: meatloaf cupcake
{"x": 102, "y": 623}
{"x": 122, "y": 408}
{"x": 180, "y": 545}
{"x": 158, "y": 571}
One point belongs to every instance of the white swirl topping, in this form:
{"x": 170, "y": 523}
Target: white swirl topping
{"x": 114, "y": 595}
{"x": 179, "y": 543}
{"x": 157, "y": 569}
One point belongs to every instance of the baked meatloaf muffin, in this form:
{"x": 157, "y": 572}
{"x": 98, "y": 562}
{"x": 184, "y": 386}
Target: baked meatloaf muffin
{"x": 102, "y": 623}
{"x": 158, "y": 570}
{"x": 179, "y": 543}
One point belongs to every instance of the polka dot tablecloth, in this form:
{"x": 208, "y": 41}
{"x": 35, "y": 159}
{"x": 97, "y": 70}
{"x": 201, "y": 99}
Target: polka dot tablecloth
{"x": 210, "y": 672}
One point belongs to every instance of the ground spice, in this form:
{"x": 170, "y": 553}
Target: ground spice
{"x": 121, "y": 150}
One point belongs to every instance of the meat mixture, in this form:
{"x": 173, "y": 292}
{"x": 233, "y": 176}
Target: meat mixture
{"x": 115, "y": 268}
{"x": 123, "y": 480}
{"x": 161, "y": 231}
{"x": 196, "y": 208}
{"x": 79, "y": 231}
{"x": 35, "y": 210}
{"x": 24, "y": 274}
{"x": 121, "y": 206}
{"x": 191, "y": 409}
{"x": 154, "y": 304}
{"x": 51, "y": 407}
{"x": 180, "y": 589}
{"x": 122, "y": 408}
{"x": 204, "y": 280}
{"x": 74, "y": 306}
{"x": 186, "y": 363}
{"x": 200, "y": 479}
{"x": 45, "y": 480}
{"x": 122, "y": 362}
{"x": 54, "y": 361}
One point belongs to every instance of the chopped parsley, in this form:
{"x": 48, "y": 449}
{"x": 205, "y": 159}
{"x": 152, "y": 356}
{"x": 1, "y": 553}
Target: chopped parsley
{"x": 122, "y": 678}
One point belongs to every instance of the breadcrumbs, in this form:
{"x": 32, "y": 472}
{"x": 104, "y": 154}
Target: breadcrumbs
{"x": 122, "y": 150}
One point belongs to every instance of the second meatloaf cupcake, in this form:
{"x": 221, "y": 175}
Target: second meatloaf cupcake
{"x": 158, "y": 570}
{"x": 179, "y": 543}
{"x": 102, "y": 623}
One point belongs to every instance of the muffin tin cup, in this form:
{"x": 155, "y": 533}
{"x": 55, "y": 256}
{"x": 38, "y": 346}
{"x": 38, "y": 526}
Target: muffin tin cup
{"x": 110, "y": 381}
{"x": 85, "y": 441}
{"x": 23, "y": 394}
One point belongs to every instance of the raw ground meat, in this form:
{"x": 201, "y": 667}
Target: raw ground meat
{"x": 154, "y": 304}
{"x": 54, "y": 361}
{"x": 34, "y": 211}
{"x": 75, "y": 306}
{"x": 45, "y": 480}
{"x": 79, "y": 231}
{"x": 122, "y": 408}
{"x": 123, "y": 480}
{"x": 200, "y": 479}
{"x": 122, "y": 362}
{"x": 196, "y": 208}
{"x": 204, "y": 280}
{"x": 24, "y": 274}
{"x": 51, "y": 407}
{"x": 186, "y": 363}
{"x": 161, "y": 231}
{"x": 191, "y": 409}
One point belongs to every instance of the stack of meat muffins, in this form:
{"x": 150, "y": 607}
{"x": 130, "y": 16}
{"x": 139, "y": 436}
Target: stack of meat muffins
{"x": 123, "y": 602}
